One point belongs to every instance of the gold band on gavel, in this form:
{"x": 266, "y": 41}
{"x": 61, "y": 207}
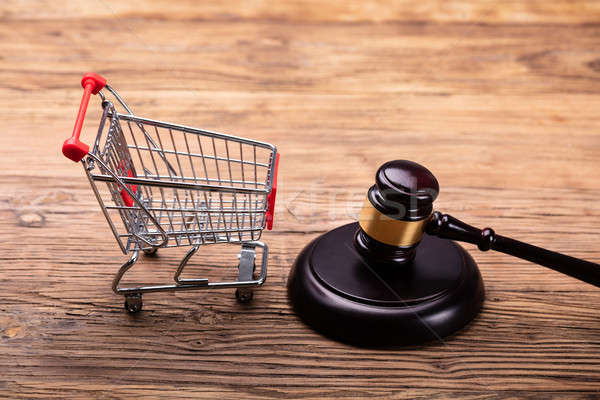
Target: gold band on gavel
{"x": 388, "y": 230}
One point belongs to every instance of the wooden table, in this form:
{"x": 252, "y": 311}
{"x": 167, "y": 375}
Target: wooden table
{"x": 499, "y": 100}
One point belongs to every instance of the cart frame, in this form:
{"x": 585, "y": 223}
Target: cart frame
{"x": 151, "y": 219}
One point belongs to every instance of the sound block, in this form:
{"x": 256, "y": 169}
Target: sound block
{"x": 348, "y": 298}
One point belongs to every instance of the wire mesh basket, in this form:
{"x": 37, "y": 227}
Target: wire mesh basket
{"x": 167, "y": 185}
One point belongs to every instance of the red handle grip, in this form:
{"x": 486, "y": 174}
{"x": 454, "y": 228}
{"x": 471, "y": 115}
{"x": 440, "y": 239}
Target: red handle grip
{"x": 271, "y": 197}
{"x": 73, "y": 148}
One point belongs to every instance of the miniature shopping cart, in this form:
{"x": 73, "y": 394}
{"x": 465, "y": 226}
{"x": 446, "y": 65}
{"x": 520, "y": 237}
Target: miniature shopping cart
{"x": 165, "y": 185}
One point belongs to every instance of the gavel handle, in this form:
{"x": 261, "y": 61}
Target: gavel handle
{"x": 447, "y": 227}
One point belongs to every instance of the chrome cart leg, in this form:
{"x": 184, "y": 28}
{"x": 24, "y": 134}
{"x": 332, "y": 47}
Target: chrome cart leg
{"x": 124, "y": 268}
{"x": 133, "y": 300}
{"x": 246, "y": 269}
{"x": 244, "y": 284}
{"x": 182, "y": 264}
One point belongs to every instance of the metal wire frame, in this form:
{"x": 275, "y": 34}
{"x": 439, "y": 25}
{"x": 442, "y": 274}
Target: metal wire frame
{"x": 191, "y": 195}
{"x": 247, "y": 260}
{"x": 168, "y": 185}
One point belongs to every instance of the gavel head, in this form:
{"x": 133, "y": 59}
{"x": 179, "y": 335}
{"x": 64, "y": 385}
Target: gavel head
{"x": 395, "y": 212}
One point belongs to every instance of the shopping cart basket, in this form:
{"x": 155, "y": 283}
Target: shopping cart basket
{"x": 165, "y": 185}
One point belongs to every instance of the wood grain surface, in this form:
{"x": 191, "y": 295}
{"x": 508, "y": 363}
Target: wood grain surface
{"x": 499, "y": 99}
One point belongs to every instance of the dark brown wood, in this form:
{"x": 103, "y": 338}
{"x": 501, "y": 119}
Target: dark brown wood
{"x": 381, "y": 252}
{"x": 361, "y": 301}
{"x": 447, "y": 227}
{"x": 404, "y": 190}
{"x": 500, "y": 99}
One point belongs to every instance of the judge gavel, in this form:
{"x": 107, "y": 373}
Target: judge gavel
{"x": 396, "y": 276}
{"x": 398, "y": 210}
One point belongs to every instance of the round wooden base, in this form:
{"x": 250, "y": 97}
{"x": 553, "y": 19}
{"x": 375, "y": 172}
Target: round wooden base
{"x": 351, "y": 299}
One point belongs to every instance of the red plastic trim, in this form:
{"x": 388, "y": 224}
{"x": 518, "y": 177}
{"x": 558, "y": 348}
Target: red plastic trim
{"x": 98, "y": 81}
{"x": 73, "y": 148}
{"x": 271, "y": 197}
{"x": 124, "y": 195}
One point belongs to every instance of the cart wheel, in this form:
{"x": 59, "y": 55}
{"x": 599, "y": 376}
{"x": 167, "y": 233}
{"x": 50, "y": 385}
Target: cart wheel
{"x": 133, "y": 303}
{"x": 244, "y": 295}
{"x": 151, "y": 252}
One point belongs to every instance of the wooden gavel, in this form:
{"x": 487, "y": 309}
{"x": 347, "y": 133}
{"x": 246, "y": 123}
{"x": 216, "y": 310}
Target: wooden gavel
{"x": 399, "y": 209}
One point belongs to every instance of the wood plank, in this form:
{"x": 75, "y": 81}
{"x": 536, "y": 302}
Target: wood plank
{"x": 533, "y": 11}
{"x": 499, "y": 100}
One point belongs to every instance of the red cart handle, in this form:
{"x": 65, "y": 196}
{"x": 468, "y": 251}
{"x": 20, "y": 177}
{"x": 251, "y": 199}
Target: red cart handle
{"x": 73, "y": 148}
{"x": 271, "y": 197}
